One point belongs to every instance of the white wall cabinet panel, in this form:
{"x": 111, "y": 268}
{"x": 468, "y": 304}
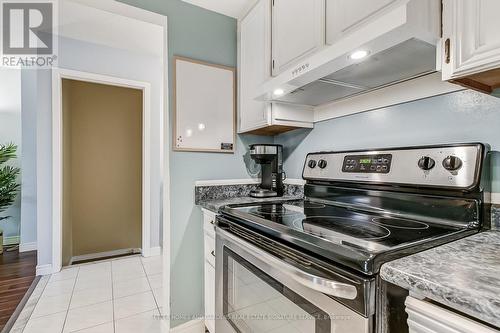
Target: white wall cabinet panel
{"x": 298, "y": 30}
{"x": 471, "y": 38}
{"x": 255, "y": 65}
{"x": 344, "y": 16}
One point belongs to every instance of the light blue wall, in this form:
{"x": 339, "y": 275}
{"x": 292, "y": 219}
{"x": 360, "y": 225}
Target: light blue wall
{"x": 200, "y": 34}
{"x": 93, "y": 58}
{"x": 458, "y": 117}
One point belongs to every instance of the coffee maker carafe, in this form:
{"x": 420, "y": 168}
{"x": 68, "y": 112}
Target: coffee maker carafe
{"x": 270, "y": 158}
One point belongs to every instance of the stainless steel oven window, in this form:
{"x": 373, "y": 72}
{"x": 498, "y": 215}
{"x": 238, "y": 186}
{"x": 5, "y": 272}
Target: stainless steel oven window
{"x": 253, "y": 301}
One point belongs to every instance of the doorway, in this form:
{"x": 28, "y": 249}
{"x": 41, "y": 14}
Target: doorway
{"x": 102, "y": 171}
{"x": 101, "y": 175}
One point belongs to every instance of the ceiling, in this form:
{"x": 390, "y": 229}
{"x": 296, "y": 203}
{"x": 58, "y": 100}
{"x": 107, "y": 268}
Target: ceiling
{"x": 233, "y": 8}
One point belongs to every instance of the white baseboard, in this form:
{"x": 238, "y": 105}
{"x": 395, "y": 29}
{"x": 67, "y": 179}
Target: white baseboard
{"x": 193, "y": 326}
{"x": 44, "y": 269}
{"x": 92, "y": 256}
{"x": 153, "y": 252}
{"x": 25, "y": 247}
{"x": 13, "y": 240}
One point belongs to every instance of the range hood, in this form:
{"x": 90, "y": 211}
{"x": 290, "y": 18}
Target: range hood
{"x": 401, "y": 45}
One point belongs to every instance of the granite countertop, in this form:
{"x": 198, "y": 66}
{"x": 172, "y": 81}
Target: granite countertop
{"x": 215, "y": 204}
{"x": 464, "y": 275}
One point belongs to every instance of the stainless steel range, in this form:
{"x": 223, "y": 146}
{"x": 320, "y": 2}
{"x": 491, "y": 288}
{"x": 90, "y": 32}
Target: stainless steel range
{"x": 312, "y": 265}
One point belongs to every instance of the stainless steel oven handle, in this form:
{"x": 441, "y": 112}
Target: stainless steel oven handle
{"x": 314, "y": 282}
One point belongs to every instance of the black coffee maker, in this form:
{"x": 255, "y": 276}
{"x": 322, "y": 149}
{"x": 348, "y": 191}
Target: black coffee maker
{"x": 270, "y": 158}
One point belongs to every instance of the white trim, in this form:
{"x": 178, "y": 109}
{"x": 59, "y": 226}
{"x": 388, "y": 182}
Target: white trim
{"x": 154, "y": 251}
{"x": 25, "y": 247}
{"x": 423, "y": 87}
{"x": 44, "y": 269}
{"x": 57, "y": 75}
{"x": 495, "y": 198}
{"x": 248, "y": 181}
{"x": 192, "y": 326}
{"x": 13, "y": 240}
{"x": 92, "y": 256}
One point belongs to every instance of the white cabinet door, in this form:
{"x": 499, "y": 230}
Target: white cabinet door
{"x": 298, "y": 29}
{"x": 471, "y": 37}
{"x": 209, "y": 297}
{"x": 255, "y": 66}
{"x": 431, "y": 318}
{"x": 344, "y": 16}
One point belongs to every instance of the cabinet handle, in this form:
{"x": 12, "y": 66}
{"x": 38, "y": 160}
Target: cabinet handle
{"x": 447, "y": 51}
{"x": 213, "y": 253}
{"x": 212, "y": 222}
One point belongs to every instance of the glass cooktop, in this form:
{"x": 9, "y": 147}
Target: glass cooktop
{"x": 338, "y": 230}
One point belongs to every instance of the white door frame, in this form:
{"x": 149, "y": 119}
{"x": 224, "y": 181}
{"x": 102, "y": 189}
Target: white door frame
{"x": 58, "y": 74}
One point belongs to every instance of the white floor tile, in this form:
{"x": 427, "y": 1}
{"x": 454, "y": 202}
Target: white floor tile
{"x": 65, "y": 274}
{"x": 152, "y": 268}
{"x": 51, "y": 304}
{"x": 90, "y": 296}
{"x": 158, "y": 294}
{"x": 56, "y": 288}
{"x": 89, "y": 316}
{"x": 130, "y": 287}
{"x": 155, "y": 259}
{"x": 134, "y": 304}
{"x": 128, "y": 273}
{"x": 145, "y": 323}
{"x": 104, "y": 328}
{"x": 92, "y": 283}
{"x": 49, "y": 324}
{"x": 156, "y": 281}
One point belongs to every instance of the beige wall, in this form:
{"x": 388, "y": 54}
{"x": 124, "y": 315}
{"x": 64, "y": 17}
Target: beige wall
{"x": 102, "y": 135}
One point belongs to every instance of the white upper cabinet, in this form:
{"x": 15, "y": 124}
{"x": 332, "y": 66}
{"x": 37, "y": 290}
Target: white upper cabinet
{"x": 471, "y": 43}
{"x": 298, "y": 29}
{"x": 254, "y": 65}
{"x": 343, "y": 16}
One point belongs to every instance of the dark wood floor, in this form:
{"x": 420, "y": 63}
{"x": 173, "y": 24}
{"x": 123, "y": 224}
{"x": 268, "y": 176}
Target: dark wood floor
{"x": 17, "y": 272}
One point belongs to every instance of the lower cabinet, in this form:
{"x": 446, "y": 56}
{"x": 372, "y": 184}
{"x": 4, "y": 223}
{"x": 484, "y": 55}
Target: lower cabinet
{"x": 425, "y": 317}
{"x": 209, "y": 269}
{"x": 209, "y": 297}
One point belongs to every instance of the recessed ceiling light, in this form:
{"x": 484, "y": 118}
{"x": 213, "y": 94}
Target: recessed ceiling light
{"x": 201, "y": 126}
{"x": 278, "y": 92}
{"x": 360, "y": 54}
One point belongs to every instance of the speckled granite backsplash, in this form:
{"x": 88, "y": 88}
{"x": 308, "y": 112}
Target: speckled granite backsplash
{"x": 203, "y": 193}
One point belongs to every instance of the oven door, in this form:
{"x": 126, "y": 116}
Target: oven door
{"x": 258, "y": 292}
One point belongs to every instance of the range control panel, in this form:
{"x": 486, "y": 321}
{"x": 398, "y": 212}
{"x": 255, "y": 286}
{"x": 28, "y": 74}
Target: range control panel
{"x": 456, "y": 166}
{"x": 380, "y": 163}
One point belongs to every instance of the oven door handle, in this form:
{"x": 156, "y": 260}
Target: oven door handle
{"x": 311, "y": 281}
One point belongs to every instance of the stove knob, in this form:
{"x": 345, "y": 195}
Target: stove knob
{"x": 452, "y": 163}
{"x": 426, "y": 163}
{"x": 322, "y": 164}
{"x": 312, "y": 164}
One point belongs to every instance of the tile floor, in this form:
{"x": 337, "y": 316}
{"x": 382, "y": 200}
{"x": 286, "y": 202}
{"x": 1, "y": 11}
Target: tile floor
{"x": 116, "y": 296}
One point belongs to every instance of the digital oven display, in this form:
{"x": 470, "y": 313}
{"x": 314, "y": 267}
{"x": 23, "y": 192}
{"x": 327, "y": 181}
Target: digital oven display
{"x": 367, "y": 163}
